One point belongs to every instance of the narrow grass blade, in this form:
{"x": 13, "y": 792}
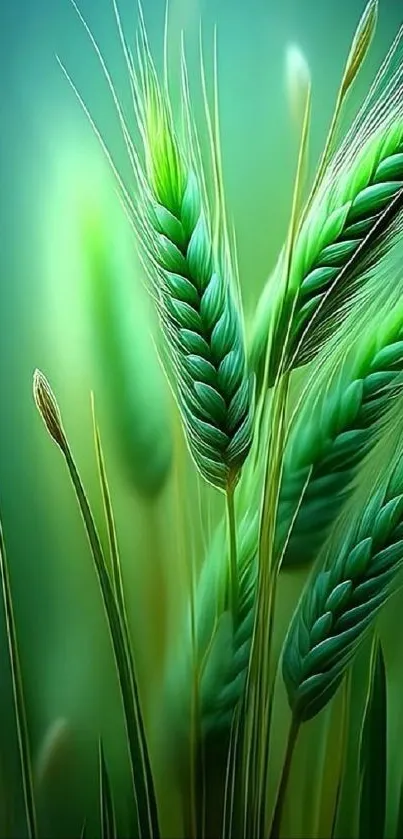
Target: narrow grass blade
{"x": 83, "y": 833}
{"x": 140, "y": 764}
{"x": 143, "y": 785}
{"x": 343, "y": 749}
{"x": 109, "y": 516}
{"x": 373, "y": 751}
{"x": 108, "y": 822}
{"x": 18, "y": 695}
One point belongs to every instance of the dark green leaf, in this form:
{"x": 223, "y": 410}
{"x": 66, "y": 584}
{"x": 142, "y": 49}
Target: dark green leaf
{"x": 108, "y": 823}
{"x": 373, "y": 751}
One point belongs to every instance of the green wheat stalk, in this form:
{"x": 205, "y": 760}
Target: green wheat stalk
{"x": 333, "y": 435}
{"x": 191, "y": 272}
{"x": 353, "y": 221}
{"x": 277, "y": 347}
{"x": 143, "y": 786}
{"x": 338, "y": 607}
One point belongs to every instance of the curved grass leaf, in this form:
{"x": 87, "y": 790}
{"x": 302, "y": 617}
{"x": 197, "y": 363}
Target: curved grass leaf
{"x": 143, "y": 785}
{"x": 108, "y": 822}
{"x": 344, "y": 744}
{"x": 109, "y": 516}
{"x": 373, "y": 751}
{"x": 18, "y": 696}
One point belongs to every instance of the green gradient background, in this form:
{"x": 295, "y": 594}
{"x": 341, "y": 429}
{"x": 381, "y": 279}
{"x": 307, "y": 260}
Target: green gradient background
{"x": 45, "y": 145}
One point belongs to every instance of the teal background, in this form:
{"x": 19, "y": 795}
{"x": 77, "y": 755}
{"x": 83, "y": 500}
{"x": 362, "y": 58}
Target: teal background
{"x": 46, "y": 146}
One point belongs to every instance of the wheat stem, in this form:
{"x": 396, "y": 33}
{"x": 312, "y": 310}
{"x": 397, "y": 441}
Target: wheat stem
{"x": 285, "y": 774}
{"x": 232, "y": 544}
{"x": 140, "y": 765}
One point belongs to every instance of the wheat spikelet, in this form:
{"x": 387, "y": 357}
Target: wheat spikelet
{"x": 350, "y": 226}
{"x": 223, "y": 637}
{"x": 333, "y": 434}
{"x": 191, "y": 276}
{"x": 342, "y": 601}
{"x": 223, "y": 681}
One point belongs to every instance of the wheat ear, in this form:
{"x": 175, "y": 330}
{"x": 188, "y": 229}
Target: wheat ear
{"x": 332, "y": 436}
{"x": 341, "y": 601}
{"x": 337, "y": 609}
{"x": 191, "y": 277}
{"x": 349, "y": 227}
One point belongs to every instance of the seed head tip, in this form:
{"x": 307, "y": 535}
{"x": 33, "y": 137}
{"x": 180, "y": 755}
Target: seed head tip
{"x": 298, "y": 80}
{"x": 48, "y": 408}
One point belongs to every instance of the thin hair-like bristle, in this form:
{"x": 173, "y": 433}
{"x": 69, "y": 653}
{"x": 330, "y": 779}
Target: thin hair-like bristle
{"x": 122, "y": 121}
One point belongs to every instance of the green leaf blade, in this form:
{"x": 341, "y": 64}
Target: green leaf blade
{"x": 108, "y": 821}
{"x": 373, "y": 752}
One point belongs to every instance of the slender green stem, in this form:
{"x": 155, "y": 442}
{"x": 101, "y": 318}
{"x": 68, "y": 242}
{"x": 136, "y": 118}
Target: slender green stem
{"x": 346, "y": 711}
{"x": 278, "y": 810}
{"x": 156, "y": 591}
{"x": 18, "y": 695}
{"x": 232, "y": 544}
{"x": 143, "y": 786}
{"x": 115, "y": 564}
{"x": 268, "y": 710}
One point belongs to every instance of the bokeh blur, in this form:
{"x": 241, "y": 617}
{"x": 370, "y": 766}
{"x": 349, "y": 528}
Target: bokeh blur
{"x": 53, "y": 172}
